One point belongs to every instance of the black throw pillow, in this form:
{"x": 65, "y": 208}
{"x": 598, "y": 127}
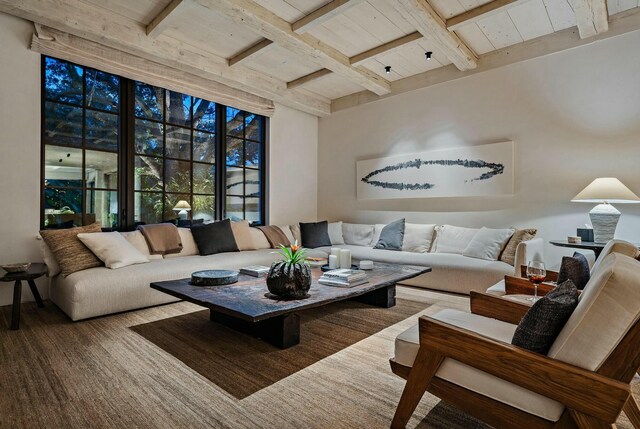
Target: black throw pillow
{"x": 315, "y": 234}
{"x": 542, "y": 324}
{"x": 576, "y": 269}
{"x": 216, "y": 237}
{"x": 391, "y": 236}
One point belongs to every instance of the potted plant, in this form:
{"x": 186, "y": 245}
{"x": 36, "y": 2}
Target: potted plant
{"x": 290, "y": 278}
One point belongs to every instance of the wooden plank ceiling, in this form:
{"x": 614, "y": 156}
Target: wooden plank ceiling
{"x": 315, "y": 51}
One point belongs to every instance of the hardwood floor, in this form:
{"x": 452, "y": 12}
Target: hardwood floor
{"x": 109, "y": 372}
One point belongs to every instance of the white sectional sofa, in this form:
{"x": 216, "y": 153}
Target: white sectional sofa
{"x": 100, "y": 291}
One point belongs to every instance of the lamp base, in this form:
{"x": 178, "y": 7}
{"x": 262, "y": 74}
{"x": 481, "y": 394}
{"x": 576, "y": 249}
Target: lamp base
{"x": 604, "y": 218}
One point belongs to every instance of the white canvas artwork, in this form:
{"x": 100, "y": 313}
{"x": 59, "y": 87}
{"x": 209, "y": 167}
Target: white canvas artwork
{"x": 471, "y": 171}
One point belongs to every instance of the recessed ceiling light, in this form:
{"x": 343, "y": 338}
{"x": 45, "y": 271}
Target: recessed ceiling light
{"x": 387, "y": 69}
{"x": 428, "y": 55}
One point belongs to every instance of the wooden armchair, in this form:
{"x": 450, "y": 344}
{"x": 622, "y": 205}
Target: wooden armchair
{"x": 467, "y": 359}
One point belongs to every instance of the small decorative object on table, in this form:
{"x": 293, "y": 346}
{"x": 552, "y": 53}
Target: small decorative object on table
{"x": 316, "y": 262}
{"x": 214, "y": 278}
{"x": 291, "y": 277}
{"x": 255, "y": 270}
{"x": 20, "y": 267}
{"x": 366, "y": 265}
{"x": 536, "y": 273}
{"x": 574, "y": 239}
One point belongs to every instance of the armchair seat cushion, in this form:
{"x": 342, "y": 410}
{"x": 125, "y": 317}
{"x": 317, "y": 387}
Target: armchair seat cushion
{"x": 408, "y": 343}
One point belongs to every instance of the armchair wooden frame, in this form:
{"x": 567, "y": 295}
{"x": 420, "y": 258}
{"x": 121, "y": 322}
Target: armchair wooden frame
{"x": 592, "y": 399}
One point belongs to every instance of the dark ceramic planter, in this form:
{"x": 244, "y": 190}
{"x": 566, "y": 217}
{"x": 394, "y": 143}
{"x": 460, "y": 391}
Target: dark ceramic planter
{"x": 289, "y": 281}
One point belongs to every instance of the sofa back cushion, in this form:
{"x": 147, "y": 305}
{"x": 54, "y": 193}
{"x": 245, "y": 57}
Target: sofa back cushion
{"x": 259, "y": 239}
{"x": 315, "y": 234}
{"x": 242, "y": 233}
{"x": 335, "y": 233}
{"x": 53, "y": 269}
{"x": 189, "y": 246}
{"x": 357, "y": 234}
{"x": 69, "y": 252}
{"x": 453, "y": 239}
{"x": 391, "y": 236}
{"x": 286, "y": 230}
{"x": 137, "y": 240}
{"x": 488, "y": 243}
{"x": 616, "y": 246}
{"x": 417, "y": 237}
{"x": 608, "y": 307}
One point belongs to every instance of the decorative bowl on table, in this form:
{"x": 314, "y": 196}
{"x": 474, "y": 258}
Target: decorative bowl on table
{"x": 20, "y": 267}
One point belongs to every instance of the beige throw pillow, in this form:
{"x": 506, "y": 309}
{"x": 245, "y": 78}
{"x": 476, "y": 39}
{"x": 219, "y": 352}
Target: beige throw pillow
{"x": 453, "y": 239}
{"x": 112, "y": 249}
{"x": 137, "y": 240}
{"x": 417, "y": 237}
{"x": 259, "y": 239}
{"x": 189, "y": 246}
{"x": 242, "y": 233}
{"x": 488, "y": 243}
{"x": 509, "y": 253}
{"x": 69, "y": 251}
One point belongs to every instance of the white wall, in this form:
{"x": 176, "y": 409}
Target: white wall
{"x": 293, "y": 167}
{"x": 574, "y": 116}
{"x": 293, "y": 155}
{"x": 20, "y": 149}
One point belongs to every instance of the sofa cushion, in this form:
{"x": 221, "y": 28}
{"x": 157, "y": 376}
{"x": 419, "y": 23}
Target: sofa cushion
{"x": 70, "y": 253}
{"x": 545, "y": 319}
{"x": 259, "y": 239}
{"x": 488, "y": 243}
{"x": 295, "y": 232}
{"x": 288, "y": 232}
{"x": 242, "y": 234}
{"x": 616, "y": 246}
{"x": 508, "y": 254}
{"x": 315, "y": 234}
{"x": 453, "y": 239}
{"x": 189, "y": 246}
{"x": 391, "y": 236}
{"x": 215, "y": 237}
{"x": 335, "y": 233}
{"x": 576, "y": 269}
{"x": 137, "y": 240}
{"x": 408, "y": 342}
{"x": 357, "y": 234}
{"x": 112, "y": 249}
{"x": 417, "y": 237}
{"x": 53, "y": 269}
{"x": 608, "y": 307}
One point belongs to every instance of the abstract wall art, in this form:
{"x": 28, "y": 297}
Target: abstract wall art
{"x": 471, "y": 171}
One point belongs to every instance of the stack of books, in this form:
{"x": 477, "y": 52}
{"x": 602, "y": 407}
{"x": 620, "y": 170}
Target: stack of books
{"x": 343, "y": 278}
{"x": 255, "y": 270}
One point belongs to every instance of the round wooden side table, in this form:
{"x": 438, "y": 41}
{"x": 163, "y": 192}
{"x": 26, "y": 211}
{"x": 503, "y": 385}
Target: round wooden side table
{"x": 35, "y": 270}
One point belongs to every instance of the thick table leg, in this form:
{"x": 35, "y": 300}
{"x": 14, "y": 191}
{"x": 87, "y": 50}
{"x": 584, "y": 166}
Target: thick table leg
{"x": 15, "y": 308}
{"x": 281, "y": 331}
{"x": 36, "y": 294}
{"x": 384, "y": 297}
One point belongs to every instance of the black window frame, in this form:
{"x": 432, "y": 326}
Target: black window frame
{"x": 126, "y": 153}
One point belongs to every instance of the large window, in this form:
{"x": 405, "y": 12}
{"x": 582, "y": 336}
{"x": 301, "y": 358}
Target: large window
{"x": 123, "y": 153}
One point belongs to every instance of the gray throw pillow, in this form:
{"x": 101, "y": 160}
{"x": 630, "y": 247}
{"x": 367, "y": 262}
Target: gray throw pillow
{"x": 315, "y": 234}
{"x": 576, "y": 269}
{"x": 542, "y": 324}
{"x": 391, "y": 236}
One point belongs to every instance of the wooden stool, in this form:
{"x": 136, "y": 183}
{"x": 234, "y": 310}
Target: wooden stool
{"x": 34, "y": 271}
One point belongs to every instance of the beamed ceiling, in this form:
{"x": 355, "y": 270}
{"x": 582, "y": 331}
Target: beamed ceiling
{"x": 319, "y": 55}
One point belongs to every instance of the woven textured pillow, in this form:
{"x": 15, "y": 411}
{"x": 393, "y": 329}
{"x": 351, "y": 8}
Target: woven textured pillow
{"x": 509, "y": 252}
{"x": 542, "y": 324}
{"x": 69, "y": 251}
{"x": 576, "y": 269}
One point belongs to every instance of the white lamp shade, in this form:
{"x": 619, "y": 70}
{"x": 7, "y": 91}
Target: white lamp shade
{"x": 182, "y": 205}
{"x": 606, "y": 190}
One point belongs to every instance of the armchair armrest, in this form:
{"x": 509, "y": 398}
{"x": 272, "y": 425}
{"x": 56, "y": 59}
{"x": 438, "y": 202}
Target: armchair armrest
{"x": 518, "y": 285}
{"x": 528, "y": 251}
{"x": 497, "y": 307}
{"x": 581, "y": 390}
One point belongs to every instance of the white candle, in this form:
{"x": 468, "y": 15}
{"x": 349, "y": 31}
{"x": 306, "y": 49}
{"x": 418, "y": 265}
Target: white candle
{"x": 333, "y": 262}
{"x": 345, "y": 258}
{"x": 335, "y": 251}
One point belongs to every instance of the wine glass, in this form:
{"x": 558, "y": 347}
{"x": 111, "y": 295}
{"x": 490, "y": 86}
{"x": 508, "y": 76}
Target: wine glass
{"x": 536, "y": 273}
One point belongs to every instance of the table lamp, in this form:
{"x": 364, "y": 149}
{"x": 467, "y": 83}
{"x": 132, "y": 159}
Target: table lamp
{"x": 604, "y": 217}
{"x": 182, "y": 208}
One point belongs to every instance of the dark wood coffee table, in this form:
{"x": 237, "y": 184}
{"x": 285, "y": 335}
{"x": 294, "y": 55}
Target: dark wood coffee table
{"x": 244, "y": 306}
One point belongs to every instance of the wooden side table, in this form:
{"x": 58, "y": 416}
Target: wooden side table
{"x": 34, "y": 271}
